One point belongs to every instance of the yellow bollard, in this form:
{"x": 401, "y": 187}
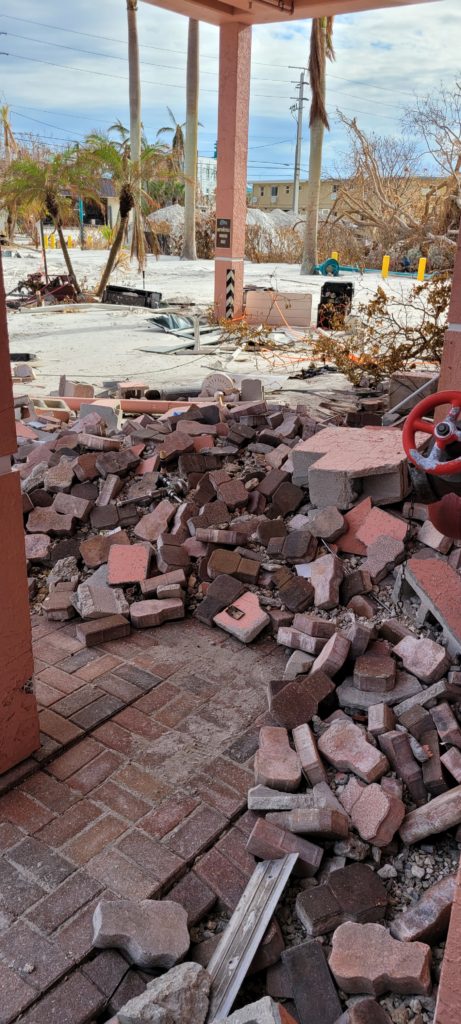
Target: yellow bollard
{"x": 385, "y": 266}
{"x": 421, "y": 268}
{"x": 45, "y": 241}
{"x": 70, "y": 241}
{"x": 335, "y": 256}
{"x": 52, "y": 242}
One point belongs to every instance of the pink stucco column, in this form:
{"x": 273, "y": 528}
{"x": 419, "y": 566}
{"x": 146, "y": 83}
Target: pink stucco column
{"x": 450, "y": 372}
{"x": 234, "y": 102}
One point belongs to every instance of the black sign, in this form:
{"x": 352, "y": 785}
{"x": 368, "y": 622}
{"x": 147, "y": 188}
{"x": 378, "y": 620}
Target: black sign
{"x": 223, "y": 233}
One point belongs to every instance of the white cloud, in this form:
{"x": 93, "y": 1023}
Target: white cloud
{"x": 383, "y": 58}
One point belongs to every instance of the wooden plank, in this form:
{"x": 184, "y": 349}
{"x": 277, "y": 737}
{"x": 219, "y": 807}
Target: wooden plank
{"x": 232, "y": 958}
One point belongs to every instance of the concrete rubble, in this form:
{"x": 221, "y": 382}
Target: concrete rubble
{"x": 254, "y": 519}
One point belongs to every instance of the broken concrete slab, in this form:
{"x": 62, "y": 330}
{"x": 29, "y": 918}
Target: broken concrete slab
{"x": 438, "y": 587}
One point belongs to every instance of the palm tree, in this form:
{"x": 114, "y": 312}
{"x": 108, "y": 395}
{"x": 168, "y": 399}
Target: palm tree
{"x": 107, "y": 156}
{"x": 189, "y": 251}
{"x": 49, "y": 188}
{"x": 321, "y": 49}
{"x": 135, "y": 104}
{"x": 176, "y": 130}
{"x": 10, "y": 151}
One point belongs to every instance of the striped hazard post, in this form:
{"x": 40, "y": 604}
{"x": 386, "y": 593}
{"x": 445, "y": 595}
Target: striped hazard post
{"x": 230, "y": 293}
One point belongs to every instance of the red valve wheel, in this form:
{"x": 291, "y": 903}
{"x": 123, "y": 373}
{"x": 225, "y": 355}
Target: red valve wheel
{"x": 444, "y": 433}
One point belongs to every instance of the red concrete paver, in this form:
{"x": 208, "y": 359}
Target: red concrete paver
{"x": 64, "y": 902}
{"x": 165, "y": 818}
{"x": 69, "y": 824}
{"x": 75, "y": 758}
{"x": 58, "y": 727}
{"x": 94, "y": 839}
{"x": 22, "y": 810}
{"x": 95, "y": 772}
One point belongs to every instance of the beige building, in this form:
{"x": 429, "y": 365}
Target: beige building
{"x": 278, "y": 195}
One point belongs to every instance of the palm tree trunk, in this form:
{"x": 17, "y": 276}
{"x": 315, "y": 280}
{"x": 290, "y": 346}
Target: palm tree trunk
{"x": 135, "y": 119}
{"x": 114, "y": 251}
{"x": 189, "y": 251}
{"x": 320, "y": 48}
{"x": 310, "y": 253}
{"x": 65, "y": 253}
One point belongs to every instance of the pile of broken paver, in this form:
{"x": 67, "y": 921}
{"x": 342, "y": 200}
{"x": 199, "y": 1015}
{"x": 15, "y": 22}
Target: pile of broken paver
{"x": 253, "y": 517}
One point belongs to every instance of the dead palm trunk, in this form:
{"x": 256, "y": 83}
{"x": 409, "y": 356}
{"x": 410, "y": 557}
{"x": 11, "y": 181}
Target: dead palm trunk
{"x": 320, "y": 48}
{"x": 135, "y": 118}
{"x": 53, "y": 210}
{"x": 189, "y": 251}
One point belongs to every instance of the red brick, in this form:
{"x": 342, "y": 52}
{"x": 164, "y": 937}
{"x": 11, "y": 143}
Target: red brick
{"x": 16, "y": 995}
{"x": 113, "y": 736}
{"x": 101, "y": 631}
{"x": 165, "y": 818}
{"x": 125, "y": 691}
{"x": 21, "y": 810}
{"x": 40, "y": 862}
{"x": 95, "y": 550}
{"x": 154, "y": 858}
{"x": 121, "y": 802}
{"x": 94, "y": 838}
{"x": 22, "y": 946}
{"x": 177, "y": 709}
{"x": 57, "y": 727}
{"x": 233, "y": 846}
{"x": 152, "y": 525}
{"x": 53, "y": 794}
{"x": 61, "y": 904}
{"x": 379, "y": 523}
{"x": 228, "y": 772}
{"x": 139, "y": 723}
{"x": 45, "y": 695}
{"x": 151, "y": 702}
{"x": 127, "y": 564}
{"x": 97, "y": 668}
{"x": 194, "y": 895}
{"x": 74, "y": 759}
{"x": 9, "y": 836}
{"x": 58, "y": 680}
{"x": 92, "y": 774}
{"x": 142, "y": 783}
{"x": 226, "y": 880}
{"x": 74, "y": 1001}
{"x": 218, "y": 794}
{"x": 69, "y": 824}
{"x": 97, "y": 711}
{"x": 76, "y": 937}
{"x": 106, "y": 971}
{"x": 123, "y": 876}
{"x": 196, "y": 833}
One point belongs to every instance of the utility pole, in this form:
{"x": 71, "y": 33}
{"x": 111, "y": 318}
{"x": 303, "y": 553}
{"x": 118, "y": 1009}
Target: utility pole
{"x": 298, "y": 108}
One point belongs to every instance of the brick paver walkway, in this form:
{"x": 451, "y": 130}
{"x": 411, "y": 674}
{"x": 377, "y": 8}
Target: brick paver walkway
{"x": 148, "y": 744}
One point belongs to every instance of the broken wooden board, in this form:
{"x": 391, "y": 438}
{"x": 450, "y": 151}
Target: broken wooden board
{"x": 234, "y": 954}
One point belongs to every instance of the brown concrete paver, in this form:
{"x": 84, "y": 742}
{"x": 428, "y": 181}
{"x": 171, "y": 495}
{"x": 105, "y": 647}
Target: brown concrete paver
{"x": 124, "y": 808}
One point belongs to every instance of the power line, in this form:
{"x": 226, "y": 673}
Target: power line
{"x": 164, "y": 49}
{"x": 121, "y": 78}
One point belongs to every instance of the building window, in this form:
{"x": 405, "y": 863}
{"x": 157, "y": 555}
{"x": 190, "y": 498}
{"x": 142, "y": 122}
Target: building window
{"x": 274, "y": 191}
{"x": 261, "y": 190}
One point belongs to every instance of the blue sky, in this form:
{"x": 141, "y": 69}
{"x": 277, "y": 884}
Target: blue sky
{"x": 66, "y": 70}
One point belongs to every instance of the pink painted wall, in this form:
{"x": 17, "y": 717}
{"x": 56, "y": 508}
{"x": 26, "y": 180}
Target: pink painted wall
{"x": 19, "y": 728}
{"x": 218, "y": 11}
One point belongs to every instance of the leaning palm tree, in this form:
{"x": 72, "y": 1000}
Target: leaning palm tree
{"x": 108, "y": 157}
{"x": 189, "y": 251}
{"x": 49, "y": 188}
{"x": 321, "y": 49}
{"x": 176, "y": 131}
